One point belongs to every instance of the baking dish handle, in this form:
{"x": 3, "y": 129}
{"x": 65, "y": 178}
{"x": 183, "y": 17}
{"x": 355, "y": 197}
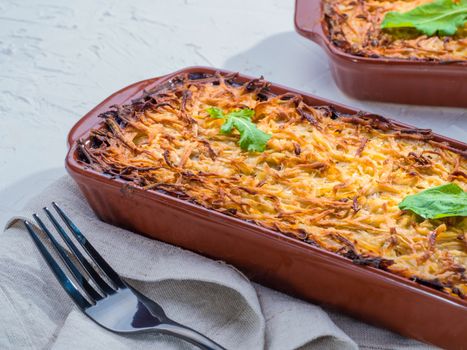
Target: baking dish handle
{"x": 308, "y": 20}
{"x": 91, "y": 119}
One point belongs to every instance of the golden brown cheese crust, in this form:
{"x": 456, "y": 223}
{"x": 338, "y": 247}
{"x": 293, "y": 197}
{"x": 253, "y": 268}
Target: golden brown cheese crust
{"x": 331, "y": 180}
{"x": 355, "y": 27}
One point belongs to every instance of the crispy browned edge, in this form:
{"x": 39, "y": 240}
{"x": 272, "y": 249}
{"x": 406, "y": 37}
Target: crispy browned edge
{"x": 261, "y": 87}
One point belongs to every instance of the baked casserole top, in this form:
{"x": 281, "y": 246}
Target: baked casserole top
{"x": 331, "y": 180}
{"x": 355, "y": 27}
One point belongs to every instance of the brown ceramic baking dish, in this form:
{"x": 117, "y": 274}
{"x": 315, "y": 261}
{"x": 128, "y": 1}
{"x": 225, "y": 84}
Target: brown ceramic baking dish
{"x": 384, "y": 79}
{"x": 267, "y": 256}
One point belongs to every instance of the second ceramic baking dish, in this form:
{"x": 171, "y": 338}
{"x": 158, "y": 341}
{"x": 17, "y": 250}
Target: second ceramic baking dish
{"x": 265, "y": 255}
{"x": 380, "y": 79}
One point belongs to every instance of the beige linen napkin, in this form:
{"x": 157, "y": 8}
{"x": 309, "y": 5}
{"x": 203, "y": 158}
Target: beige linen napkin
{"x": 209, "y": 296}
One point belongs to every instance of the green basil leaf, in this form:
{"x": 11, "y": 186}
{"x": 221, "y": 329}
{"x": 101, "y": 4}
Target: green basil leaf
{"x": 441, "y": 16}
{"x": 226, "y": 128}
{"x": 437, "y": 202}
{"x": 251, "y": 138}
{"x": 215, "y": 112}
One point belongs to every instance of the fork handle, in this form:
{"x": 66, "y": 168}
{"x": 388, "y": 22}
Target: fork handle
{"x": 189, "y": 335}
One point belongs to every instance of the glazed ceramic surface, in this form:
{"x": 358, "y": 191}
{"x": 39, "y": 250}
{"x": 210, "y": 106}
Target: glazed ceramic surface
{"x": 384, "y": 79}
{"x": 267, "y": 256}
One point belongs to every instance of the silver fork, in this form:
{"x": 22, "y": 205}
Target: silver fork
{"x": 115, "y": 306}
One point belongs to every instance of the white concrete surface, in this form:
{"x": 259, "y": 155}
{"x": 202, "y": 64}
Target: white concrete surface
{"x": 60, "y": 58}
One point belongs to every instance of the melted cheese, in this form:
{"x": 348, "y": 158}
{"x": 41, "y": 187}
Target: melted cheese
{"x": 332, "y": 182}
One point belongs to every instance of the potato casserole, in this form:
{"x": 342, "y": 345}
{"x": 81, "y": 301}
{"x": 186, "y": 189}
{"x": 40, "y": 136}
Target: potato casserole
{"x": 355, "y": 27}
{"x": 330, "y": 179}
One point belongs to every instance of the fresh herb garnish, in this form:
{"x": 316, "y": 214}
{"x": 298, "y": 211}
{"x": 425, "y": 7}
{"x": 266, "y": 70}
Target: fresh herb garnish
{"x": 251, "y": 138}
{"x": 437, "y": 202}
{"x": 440, "y": 16}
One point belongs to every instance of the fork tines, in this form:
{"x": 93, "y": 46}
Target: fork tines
{"x": 92, "y": 293}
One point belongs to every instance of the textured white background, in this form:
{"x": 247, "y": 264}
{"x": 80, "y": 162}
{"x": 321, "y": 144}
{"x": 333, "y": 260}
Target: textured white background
{"x": 60, "y": 58}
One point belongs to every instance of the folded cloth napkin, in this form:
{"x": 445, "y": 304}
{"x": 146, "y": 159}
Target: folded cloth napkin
{"x": 209, "y": 296}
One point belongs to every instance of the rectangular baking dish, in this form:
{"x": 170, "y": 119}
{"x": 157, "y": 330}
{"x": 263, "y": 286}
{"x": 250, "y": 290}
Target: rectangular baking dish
{"x": 380, "y": 79}
{"x": 267, "y": 256}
